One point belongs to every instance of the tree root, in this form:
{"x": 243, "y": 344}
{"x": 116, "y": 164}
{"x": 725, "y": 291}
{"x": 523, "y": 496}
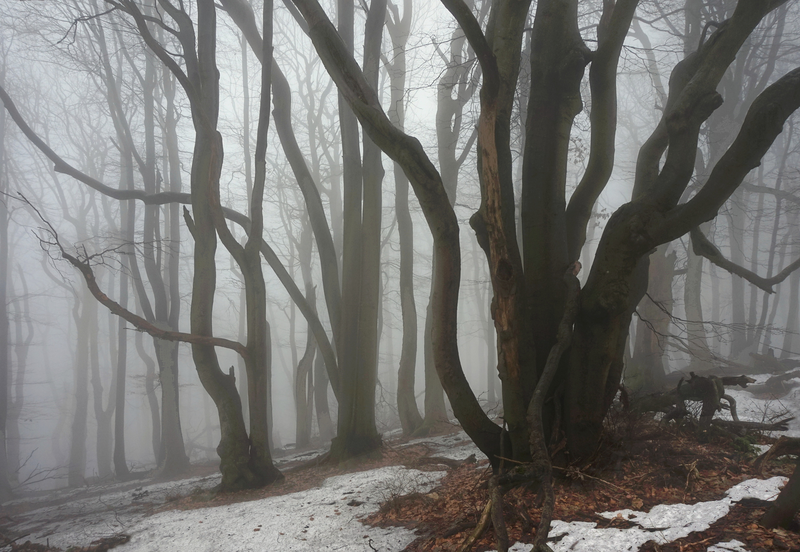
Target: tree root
{"x": 476, "y": 533}
{"x": 780, "y": 425}
{"x": 783, "y": 446}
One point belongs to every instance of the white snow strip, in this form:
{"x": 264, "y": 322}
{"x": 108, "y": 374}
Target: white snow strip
{"x": 730, "y": 546}
{"x": 663, "y": 523}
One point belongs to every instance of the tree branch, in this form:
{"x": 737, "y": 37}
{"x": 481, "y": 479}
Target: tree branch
{"x": 407, "y": 152}
{"x": 541, "y": 457}
{"x": 142, "y": 324}
{"x": 703, "y": 247}
{"x": 692, "y": 99}
{"x": 141, "y": 23}
{"x": 779, "y": 194}
{"x": 242, "y": 15}
{"x": 603, "y": 116}
{"x": 763, "y": 123}
{"x": 472, "y": 30}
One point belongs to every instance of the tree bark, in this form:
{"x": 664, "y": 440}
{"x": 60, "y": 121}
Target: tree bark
{"x": 410, "y": 418}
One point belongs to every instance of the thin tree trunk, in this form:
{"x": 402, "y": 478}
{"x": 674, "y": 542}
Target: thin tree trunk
{"x": 120, "y": 461}
{"x": 736, "y": 220}
{"x": 645, "y": 372}
{"x": 5, "y": 360}
{"x": 77, "y": 446}
{"x": 103, "y": 416}
{"x": 700, "y": 354}
{"x": 22, "y": 343}
{"x": 793, "y": 316}
{"x": 324, "y": 422}
{"x": 150, "y": 378}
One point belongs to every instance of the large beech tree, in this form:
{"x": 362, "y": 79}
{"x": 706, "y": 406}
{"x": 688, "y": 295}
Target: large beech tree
{"x": 530, "y": 293}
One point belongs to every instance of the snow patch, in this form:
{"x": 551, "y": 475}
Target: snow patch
{"x": 663, "y": 523}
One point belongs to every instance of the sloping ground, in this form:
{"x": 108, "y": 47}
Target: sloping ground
{"x": 657, "y": 489}
{"x": 678, "y": 488}
{"x": 316, "y": 508}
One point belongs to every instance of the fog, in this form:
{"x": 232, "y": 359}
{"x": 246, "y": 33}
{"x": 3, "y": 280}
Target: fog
{"x": 113, "y": 112}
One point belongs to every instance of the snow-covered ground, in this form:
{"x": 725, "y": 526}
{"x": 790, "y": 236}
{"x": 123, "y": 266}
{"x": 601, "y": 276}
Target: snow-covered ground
{"x": 768, "y": 410}
{"x": 327, "y": 518}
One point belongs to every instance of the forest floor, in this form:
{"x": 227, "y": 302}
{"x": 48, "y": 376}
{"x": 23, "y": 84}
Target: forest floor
{"x": 642, "y": 465}
{"x": 427, "y": 494}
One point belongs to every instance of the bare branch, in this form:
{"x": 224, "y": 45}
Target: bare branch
{"x": 612, "y": 31}
{"x": 763, "y": 123}
{"x": 86, "y": 271}
{"x": 702, "y": 246}
{"x": 472, "y": 30}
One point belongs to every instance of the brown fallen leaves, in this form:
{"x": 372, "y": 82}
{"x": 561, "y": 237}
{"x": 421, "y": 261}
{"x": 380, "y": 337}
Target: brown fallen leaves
{"x": 652, "y": 465}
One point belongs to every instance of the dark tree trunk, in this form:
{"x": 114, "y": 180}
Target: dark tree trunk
{"x": 324, "y": 422}
{"x": 783, "y": 511}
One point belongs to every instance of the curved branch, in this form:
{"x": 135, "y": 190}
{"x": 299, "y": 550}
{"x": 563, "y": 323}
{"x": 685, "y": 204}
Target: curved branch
{"x": 472, "y": 30}
{"x": 603, "y": 116}
{"x": 242, "y": 15}
{"x": 693, "y": 97}
{"x": 703, "y": 247}
{"x": 763, "y": 123}
{"x": 141, "y": 23}
{"x": 142, "y": 324}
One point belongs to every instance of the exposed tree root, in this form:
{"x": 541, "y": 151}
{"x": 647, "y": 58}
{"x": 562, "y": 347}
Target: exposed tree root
{"x": 783, "y": 446}
{"x": 476, "y": 533}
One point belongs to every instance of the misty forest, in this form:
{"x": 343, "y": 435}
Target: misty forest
{"x": 234, "y": 229}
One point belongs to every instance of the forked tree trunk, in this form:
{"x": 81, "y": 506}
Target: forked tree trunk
{"x": 304, "y": 381}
